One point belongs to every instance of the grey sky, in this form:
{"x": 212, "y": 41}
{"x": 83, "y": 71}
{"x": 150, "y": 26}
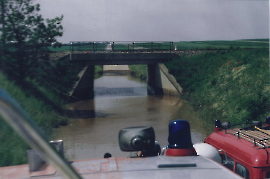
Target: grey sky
{"x": 159, "y": 20}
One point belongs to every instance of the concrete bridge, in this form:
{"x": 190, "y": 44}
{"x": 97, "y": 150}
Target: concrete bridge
{"x": 159, "y": 81}
{"x": 121, "y": 53}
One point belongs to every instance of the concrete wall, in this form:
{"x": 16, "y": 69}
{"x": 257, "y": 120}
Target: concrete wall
{"x": 84, "y": 89}
{"x": 160, "y": 82}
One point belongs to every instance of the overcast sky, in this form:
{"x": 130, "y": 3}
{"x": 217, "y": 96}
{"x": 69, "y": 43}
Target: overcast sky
{"x": 158, "y": 20}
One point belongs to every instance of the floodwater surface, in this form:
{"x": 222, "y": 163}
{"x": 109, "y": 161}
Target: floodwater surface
{"x": 119, "y": 102}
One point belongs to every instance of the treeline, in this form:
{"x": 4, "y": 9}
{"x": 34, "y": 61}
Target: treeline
{"x": 24, "y": 34}
{"x": 24, "y": 47}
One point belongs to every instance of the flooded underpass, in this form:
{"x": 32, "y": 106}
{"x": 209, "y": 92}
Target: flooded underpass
{"x": 119, "y": 102}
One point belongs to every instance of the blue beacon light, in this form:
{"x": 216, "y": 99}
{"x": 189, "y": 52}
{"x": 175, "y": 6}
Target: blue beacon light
{"x": 217, "y": 125}
{"x": 179, "y": 135}
{"x": 179, "y": 139}
{"x": 267, "y": 121}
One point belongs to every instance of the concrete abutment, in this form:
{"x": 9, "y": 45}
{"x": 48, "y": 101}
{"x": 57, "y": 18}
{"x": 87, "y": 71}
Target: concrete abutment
{"x": 160, "y": 82}
{"x": 84, "y": 89}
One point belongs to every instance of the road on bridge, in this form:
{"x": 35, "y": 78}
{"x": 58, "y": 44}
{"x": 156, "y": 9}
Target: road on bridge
{"x": 109, "y": 47}
{"x": 114, "y": 67}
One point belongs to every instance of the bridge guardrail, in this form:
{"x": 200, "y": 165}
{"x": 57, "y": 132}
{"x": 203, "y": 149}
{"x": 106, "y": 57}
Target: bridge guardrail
{"x": 116, "y": 46}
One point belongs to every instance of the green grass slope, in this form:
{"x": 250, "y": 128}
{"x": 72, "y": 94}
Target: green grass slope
{"x": 42, "y": 94}
{"x": 139, "y": 71}
{"x": 98, "y": 71}
{"x": 13, "y": 148}
{"x": 230, "y": 86}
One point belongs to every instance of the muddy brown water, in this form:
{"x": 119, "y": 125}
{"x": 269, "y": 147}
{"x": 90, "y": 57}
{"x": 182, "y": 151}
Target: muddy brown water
{"x": 120, "y": 101}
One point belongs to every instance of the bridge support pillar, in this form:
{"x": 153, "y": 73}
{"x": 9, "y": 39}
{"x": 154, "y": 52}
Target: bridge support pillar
{"x": 160, "y": 82}
{"x": 154, "y": 86}
{"x": 85, "y": 87}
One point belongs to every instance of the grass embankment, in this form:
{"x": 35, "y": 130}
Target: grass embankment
{"x": 231, "y": 86}
{"x": 98, "y": 71}
{"x": 42, "y": 97}
{"x": 13, "y": 148}
{"x": 139, "y": 71}
{"x": 200, "y": 45}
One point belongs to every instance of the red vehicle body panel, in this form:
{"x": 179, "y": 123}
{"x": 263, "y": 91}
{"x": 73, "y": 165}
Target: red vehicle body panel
{"x": 254, "y": 158}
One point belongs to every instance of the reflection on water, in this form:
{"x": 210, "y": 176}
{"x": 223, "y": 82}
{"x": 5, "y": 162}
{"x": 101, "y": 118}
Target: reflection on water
{"x": 107, "y": 86}
{"x": 120, "y": 101}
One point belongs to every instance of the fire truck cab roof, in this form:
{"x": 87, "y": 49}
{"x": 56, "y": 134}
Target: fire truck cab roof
{"x": 246, "y": 150}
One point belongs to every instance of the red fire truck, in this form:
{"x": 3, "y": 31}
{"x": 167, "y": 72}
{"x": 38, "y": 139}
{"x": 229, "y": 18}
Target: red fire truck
{"x": 243, "y": 150}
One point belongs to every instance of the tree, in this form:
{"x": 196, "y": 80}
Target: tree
{"x": 26, "y": 32}
{"x": 3, "y": 40}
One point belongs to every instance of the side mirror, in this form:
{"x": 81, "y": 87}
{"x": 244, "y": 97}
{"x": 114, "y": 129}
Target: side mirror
{"x": 136, "y": 138}
{"x": 224, "y": 159}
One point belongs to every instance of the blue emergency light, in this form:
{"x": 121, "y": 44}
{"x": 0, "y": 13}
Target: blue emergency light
{"x": 217, "y": 123}
{"x": 179, "y": 135}
{"x": 218, "y": 126}
{"x": 267, "y": 120}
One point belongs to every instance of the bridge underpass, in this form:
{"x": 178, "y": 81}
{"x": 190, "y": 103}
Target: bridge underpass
{"x": 159, "y": 81}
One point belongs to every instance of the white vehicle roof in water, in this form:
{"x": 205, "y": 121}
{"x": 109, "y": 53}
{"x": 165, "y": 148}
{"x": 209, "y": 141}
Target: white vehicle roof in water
{"x": 133, "y": 168}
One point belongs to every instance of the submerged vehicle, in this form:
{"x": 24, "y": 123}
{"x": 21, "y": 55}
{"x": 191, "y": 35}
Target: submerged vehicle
{"x": 180, "y": 158}
{"x": 246, "y": 148}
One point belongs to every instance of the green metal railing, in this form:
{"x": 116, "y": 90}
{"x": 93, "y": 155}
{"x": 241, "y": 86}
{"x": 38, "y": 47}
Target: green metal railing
{"x": 122, "y": 46}
{"x": 18, "y": 119}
